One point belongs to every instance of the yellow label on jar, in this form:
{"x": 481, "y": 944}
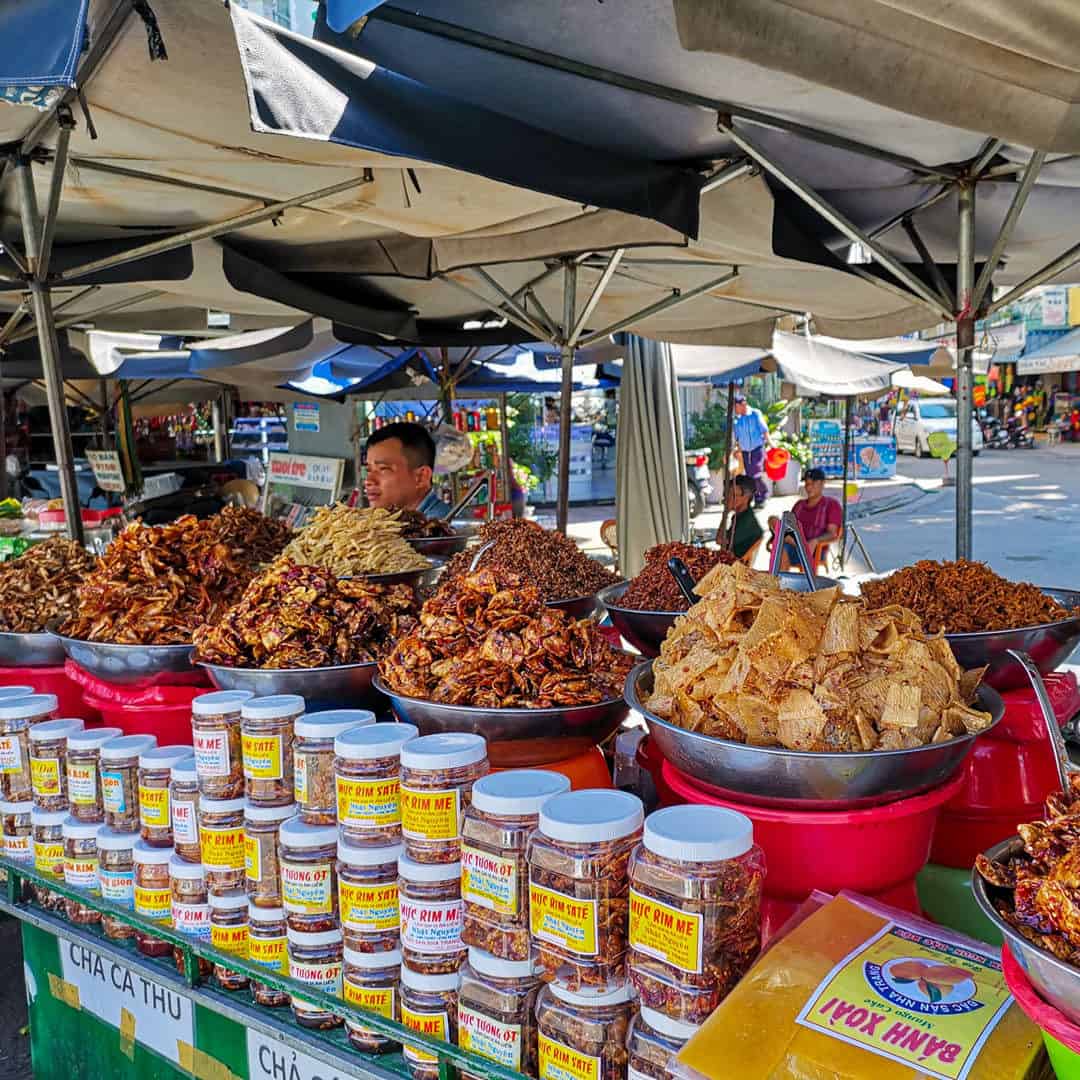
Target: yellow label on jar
{"x": 222, "y": 849}
{"x": 490, "y": 1038}
{"x": 48, "y": 858}
{"x": 376, "y": 999}
{"x": 16, "y": 847}
{"x": 300, "y": 777}
{"x": 368, "y": 804}
{"x": 264, "y": 757}
{"x": 82, "y": 783}
{"x": 252, "y": 858}
{"x": 559, "y": 1062}
{"x": 271, "y": 953}
{"x": 431, "y": 815}
{"x": 154, "y": 807}
{"x": 490, "y": 881}
{"x": 434, "y": 1025}
{"x": 230, "y": 939}
{"x": 11, "y": 759}
{"x": 563, "y": 920}
{"x": 368, "y": 907}
{"x": 666, "y": 932}
{"x": 154, "y": 903}
{"x": 45, "y": 776}
{"x": 306, "y": 888}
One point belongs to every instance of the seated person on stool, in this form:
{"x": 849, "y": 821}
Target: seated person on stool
{"x": 744, "y": 529}
{"x": 820, "y": 518}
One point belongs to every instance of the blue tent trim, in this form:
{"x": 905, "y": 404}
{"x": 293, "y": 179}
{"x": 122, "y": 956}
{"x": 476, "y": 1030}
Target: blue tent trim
{"x": 40, "y": 45}
{"x": 341, "y": 14}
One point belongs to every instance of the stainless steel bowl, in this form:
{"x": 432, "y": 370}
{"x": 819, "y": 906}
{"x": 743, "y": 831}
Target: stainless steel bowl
{"x": 440, "y": 546}
{"x": 580, "y": 607}
{"x": 800, "y": 779}
{"x": 417, "y": 579}
{"x": 30, "y": 650}
{"x": 1057, "y": 981}
{"x": 123, "y": 664}
{"x": 516, "y": 736}
{"x": 345, "y": 686}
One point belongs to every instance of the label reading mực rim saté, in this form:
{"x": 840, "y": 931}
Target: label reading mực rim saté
{"x": 430, "y": 815}
{"x": 211, "y": 753}
{"x": 271, "y": 953}
{"x": 561, "y": 1062}
{"x": 562, "y": 920}
{"x": 368, "y": 804}
{"x": 253, "y": 870}
{"x": 436, "y": 1025}
{"x": 264, "y": 756}
{"x": 376, "y": 999}
{"x": 154, "y": 807}
{"x": 19, "y": 848}
{"x": 320, "y": 976}
{"x": 11, "y": 754}
{"x": 82, "y": 778}
{"x": 154, "y": 903}
{"x": 490, "y": 881}
{"x": 431, "y": 926}
{"x": 490, "y": 1038}
{"x": 45, "y": 776}
{"x": 306, "y": 888}
{"x": 230, "y": 939}
{"x": 368, "y": 908}
{"x": 223, "y": 849}
{"x": 112, "y": 791}
{"x": 666, "y": 933}
{"x": 117, "y": 886}
{"x": 81, "y": 873}
{"x": 185, "y": 824}
{"x": 192, "y": 920}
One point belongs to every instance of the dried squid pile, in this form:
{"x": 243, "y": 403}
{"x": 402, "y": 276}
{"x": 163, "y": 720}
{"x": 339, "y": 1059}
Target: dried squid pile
{"x": 42, "y": 585}
{"x": 756, "y": 664}
{"x": 486, "y": 639}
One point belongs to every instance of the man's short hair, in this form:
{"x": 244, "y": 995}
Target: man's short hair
{"x": 814, "y": 474}
{"x": 415, "y": 440}
{"x": 745, "y": 484}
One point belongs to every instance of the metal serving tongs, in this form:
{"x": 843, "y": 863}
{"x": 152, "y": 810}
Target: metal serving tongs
{"x": 789, "y": 526}
{"x": 683, "y": 578}
{"x": 1053, "y": 728}
{"x": 470, "y": 494}
{"x": 480, "y": 551}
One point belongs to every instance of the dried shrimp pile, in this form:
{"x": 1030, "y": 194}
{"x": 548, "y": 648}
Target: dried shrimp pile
{"x": 808, "y": 671}
{"x": 42, "y": 585}
{"x": 295, "y": 616}
{"x": 487, "y": 639}
{"x": 654, "y": 589}
{"x": 350, "y": 540}
{"x": 963, "y": 597}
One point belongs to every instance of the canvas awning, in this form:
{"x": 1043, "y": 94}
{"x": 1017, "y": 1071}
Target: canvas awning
{"x": 919, "y": 384}
{"x": 820, "y": 370}
{"x": 1060, "y": 355}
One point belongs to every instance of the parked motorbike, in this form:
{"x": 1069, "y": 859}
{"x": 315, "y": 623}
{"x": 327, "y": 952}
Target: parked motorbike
{"x": 698, "y": 481}
{"x": 995, "y": 435}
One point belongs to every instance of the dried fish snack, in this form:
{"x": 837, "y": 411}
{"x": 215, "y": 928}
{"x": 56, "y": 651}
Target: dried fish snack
{"x": 486, "y": 639}
{"x": 756, "y": 664}
{"x": 41, "y": 585}
{"x": 295, "y": 616}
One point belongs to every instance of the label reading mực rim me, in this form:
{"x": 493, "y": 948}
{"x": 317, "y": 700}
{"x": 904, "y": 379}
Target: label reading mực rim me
{"x": 154, "y": 807}
{"x": 437, "y": 1025}
{"x": 307, "y": 888}
{"x": 192, "y": 920}
{"x": 82, "y": 778}
{"x": 368, "y": 804}
{"x": 11, "y": 755}
{"x": 264, "y": 757}
{"x": 562, "y": 920}
{"x": 431, "y": 815}
{"x": 211, "y": 753}
{"x": 185, "y": 824}
{"x": 230, "y": 939}
{"x": 666, "y": 933}
{"x": 117, "y": 886}
{"x": 431, "y": 926}
{"x": 490, "y": 881}
{"x": 561, "y": 1062}
{"x": 490, "y": 1038}
{"x": 223, "y": 849}
{"x": 45, "y": 776}
{"x": 368, "y": 908}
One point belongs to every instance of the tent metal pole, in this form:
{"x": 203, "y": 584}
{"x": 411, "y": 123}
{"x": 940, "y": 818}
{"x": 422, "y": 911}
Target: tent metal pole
{"x": 562, "y": 513}
{"x": 985, "y": 156}
{"x": 13, "y": 321}
{"x": 3, "y": 436}
{"x": 965, "y": 348}
{"x": 504, "y": 444}
{"x": 932, "y": 268}
{"x": 56, "y": 188}
{"x": 542, "y": 314}
{"x": 103, "y": 390}
{"x": 594, "y": 297}
{"x": 90, "y": 316}
{"x": 1061, "y": 263}
{"x": 729, "y": 427}
{"x": 848, "y": 404}
{"x": 217, "y": 422}
{"x": 508, "y": 300}
{"x": 17, "y": 259}
{"x": 525, "y": 323}
{"x": 727, "y": 174}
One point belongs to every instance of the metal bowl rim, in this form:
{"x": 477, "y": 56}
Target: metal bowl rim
{"x": 285, "y": 670}
{"x": 435, "y": 562}
{"x": 629, "y": 610}
{"x": 115, "y": 644}
{"x": 585, "y": 596}
{"x": 31, "y": 634}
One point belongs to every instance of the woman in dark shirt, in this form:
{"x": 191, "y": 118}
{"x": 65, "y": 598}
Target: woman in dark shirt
{"x": 744, "y": 529}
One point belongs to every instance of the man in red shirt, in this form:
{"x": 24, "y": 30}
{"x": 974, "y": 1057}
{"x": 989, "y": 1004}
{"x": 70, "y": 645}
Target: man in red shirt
{"x": 820, "y": 517}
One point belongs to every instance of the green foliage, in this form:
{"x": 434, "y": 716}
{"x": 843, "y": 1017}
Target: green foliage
{"x": 534, "y": 464}
{"x": 797, "y": 446}
{"x": 709, "y": 426}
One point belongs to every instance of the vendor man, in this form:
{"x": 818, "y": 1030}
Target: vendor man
{"x": 400, "y": 464}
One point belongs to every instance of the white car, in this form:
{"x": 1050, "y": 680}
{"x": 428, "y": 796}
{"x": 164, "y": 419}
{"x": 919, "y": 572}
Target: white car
{"x": 917, "y": 420}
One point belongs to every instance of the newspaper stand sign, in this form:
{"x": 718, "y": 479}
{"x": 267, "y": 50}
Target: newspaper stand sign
{"x": 299, "y": 480}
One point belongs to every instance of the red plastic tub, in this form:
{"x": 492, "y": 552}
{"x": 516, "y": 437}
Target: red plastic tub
{"x": 53, "y": 680}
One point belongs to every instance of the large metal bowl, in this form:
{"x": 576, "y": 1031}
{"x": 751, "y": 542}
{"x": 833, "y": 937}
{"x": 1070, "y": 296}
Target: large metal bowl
{"x": 345, "y": 686}
{"x": 801, "y": 779}
{"x": 1057, "y": 981}
{"x": 30, "y": 650}
{"x": 124, "y": 664}
{"x": 581, "y": 607}
{"x": 417, "y": 579}
{"x": 439, "y": 546}
{"x": 516, "y": 736}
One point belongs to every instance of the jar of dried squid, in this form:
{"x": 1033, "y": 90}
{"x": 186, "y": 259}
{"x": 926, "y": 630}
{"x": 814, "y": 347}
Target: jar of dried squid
{"x": 494, "y": 873}
{"x": 48, "y": 828}
{"x": 17, "y": 832}
{"x": 120, "y": 780}
{"x": 84, "y": 772}
{"x": 18, "y": 714}
{"x": 497, "y": 1011}
{"x": 368, "y": 896}
{"x": 215, "y": 735}
{"x": 48, "y": 762}
{"x": 695, "y": 909}
{"x": 579, "y": 887}
{"x": 262, "y": 875}
{"x": 313, "y": 760}
{"x": 654, "y": 1042}
{"x": 307, "y": 857}
{"x": 116, "y": 877}
{"x": 429, "y": 1005}
{"x": 431, "y": 913}
{"x": 437, "y": 776}
{"x": 371, "y": 982}
{"x": 153, "y": 894}
{"x": 80, "y": 867}
{"x": 155, "y": 817}
{"x": 190, "y": 902}
{"x": 315, "y": 959}
{"x": 184, "y": 809}
{"x": 221, "y": 839}
{"x": 367, "y": 769}
{"x": 583, "y": 1034}
{"x": 267, "y": 742}
{"x": 229, "y": 934}
{"x": 268, "y": 947}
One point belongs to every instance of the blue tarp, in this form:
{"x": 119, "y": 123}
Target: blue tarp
{"x": 40, "y": 45}
{"x": 341, "y": 14}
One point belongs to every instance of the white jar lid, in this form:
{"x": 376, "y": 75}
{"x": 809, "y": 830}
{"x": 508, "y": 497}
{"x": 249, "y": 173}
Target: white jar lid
{"x": 232, "y": 901}
{"x": 305, "y": 940}
{"x": 333, "y": 722}
{"x": 8, "y": 692}
{"x": 447, "y": 750}
{"x": 162, "y": 757}
{"x": 108, "y": 839}
{"x": 415, "y": 981}
{"x": 354, "y": 855}
{"x": 295, "y": 833}
{"x": 188, "y": 871}
{"x": 606, "y": 997}
{"x": 127, "y": 746}
{"x": 28, "y": 705}
{"x": 698, "y": 833}
{"x": 269, "y": 813}
{"x": 517, "y": 792}
{"x": 48, "y": 818}
{"x": 264, "y": 914}
{"x": 74, "y": 829}
{"x": 483, "y": 963}
{"x": 220, "y": 702}
{"x": 665, "y": 1025}
{"x": 373, "y": 961}
{"x": 54, "y": 729}
{"x": 142, "y": 852}
{"x": 272, "y": 707}
{"x": 591, "y": 816}
{"x": 374, "y": 741}
{"x": 220, "y": 806}
{"x": 16, "y": 807}
{"x": 411, "y": 870}
{"x": 91, "y": 738}
{"x": 184, "y": 769}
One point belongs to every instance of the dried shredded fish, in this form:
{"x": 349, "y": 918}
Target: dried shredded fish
{"x": 42, "y": 584}
{"x": 349, "y": 540}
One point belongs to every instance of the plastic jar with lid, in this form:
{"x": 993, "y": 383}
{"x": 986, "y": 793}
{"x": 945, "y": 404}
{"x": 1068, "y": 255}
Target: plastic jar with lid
{"x": 497, "y": 1011}
{"x": 262, "y": 875}
{"x": 18, "y": 714}
{"x": 229, "y": 934}
{"x": 116, "y": 877}
{"x": 695, "y": 909}
{"x": 153, "y": 894}
{"x": 215, "y": 735}
{"x": 368, "y": 896}
{"x": 184, "y": 809}
{"x": 120, "y": 780}
{"x": 437, "y": 776}
{"x": 371, "y": 982}
{"x": 653, "y": 1044}
{"x": 579, "y": 888}
{"x": 315, "y": 959}
{"x": 267, "y": 742}
{"x": 84, "y": 772}
{"x": 268, "y": 948}
{"x": 16, "y": 831}
{"x": 221, "y": 840}
{"x": 367, "y": 768}
{"x": 307, "y": 857}
{"x": 431, "y": 914}
{"x": 48, "y": 828}
{"x": 429, "y": 1005}
{"x": 313, "y": 760}
{"x": 583, "y": 1034}
{"x": 80, "y": 867}
{"x": 48, "y": 762}
{"x": 494, "y": 872}
{"x": 189, "y": 900}
{"x": 155, "y": 818}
